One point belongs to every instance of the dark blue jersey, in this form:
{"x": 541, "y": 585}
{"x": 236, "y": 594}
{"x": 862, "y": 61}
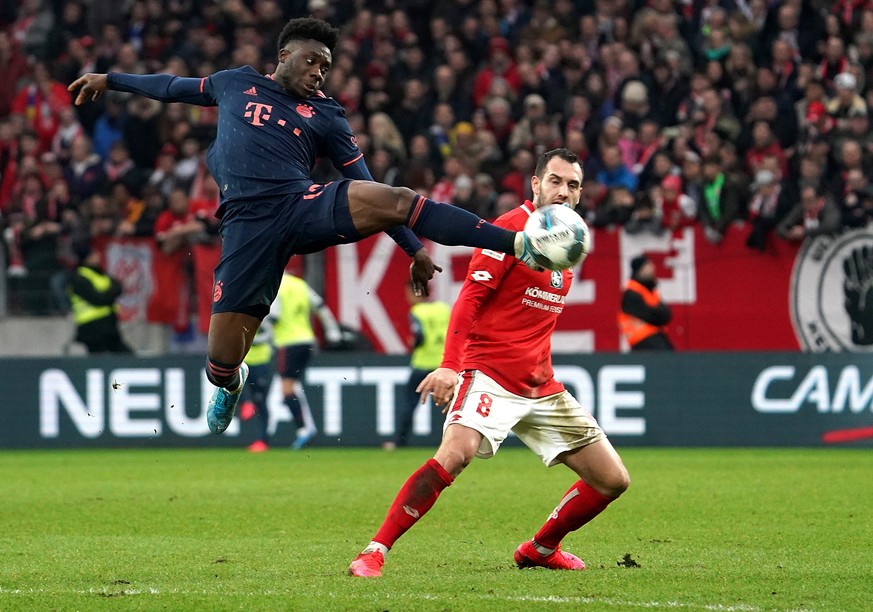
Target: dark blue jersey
{"x": 268, "y": 140}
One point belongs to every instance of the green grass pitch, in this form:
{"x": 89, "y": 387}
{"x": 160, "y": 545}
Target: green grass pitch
{"x": 226, "y": 530}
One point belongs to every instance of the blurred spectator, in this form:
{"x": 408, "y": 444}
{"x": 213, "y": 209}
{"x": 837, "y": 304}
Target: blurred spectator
{"x": 477, "y": 149}
{"x": 32, "y": 28}
{"x": 615, "y": 210}
{"x": 614, "y": 172}
{"x": 84, "y": 174}
{"x": 175, "y": 230}
{"x": 500, "y": 65}
{"x": 163, "y": 176}
{"x": 441, "y": 130}
{"x": 68, "y": 130}
{"x": 764, "y": 144}
{"x": 485, "y": 195}
{"x": 522, "y": 132}
{"x": 722, "y": 200}
{"x": 385, "y": 135}
{"x": 444, "y": 189}
{"x": 109, "y": 127}
{"x": 383, "y": 166}
{"x": 13, "y": 67}
{"x": 418, "y": 170}
{"x": 675, "y": 209}
{"x": 71, "y": 25}
{"x": 765, "y": 208}
{"x": 412, "y": 115}
{"x": 41, "y": 101}
{"x": 188, "y": 164}
{"x": 447, "y": 89}
{"x": 846, "y": 103}
{"x": 141, "y": 131}
{"x": 691, "y": 171}
{"x": 544, "y": 25}
{"x": 855, "y": 207}
{"x": 517, "y": 180}
{"x": 813, "y": 216}
{"x": 120, "y": 167}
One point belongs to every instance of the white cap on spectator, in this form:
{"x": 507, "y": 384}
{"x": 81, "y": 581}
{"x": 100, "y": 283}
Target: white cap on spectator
{"x": 635, "y": 91}
{"x": 534, "y": 100}
{"x": 692, "y": 157}
{"x": 762, "y": 178}
{"x": 317, "y": 5}
{"x": 845, "y": 80}
{"x": 463, "y": 182}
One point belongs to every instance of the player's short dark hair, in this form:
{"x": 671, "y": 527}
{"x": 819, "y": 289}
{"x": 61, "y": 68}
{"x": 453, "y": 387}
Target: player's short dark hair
{"x": 566, "y": 154}
{"x": 309, "y": 28}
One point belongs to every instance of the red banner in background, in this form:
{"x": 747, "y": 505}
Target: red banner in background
{"x": 723, "y": 297}
{"x": 156, "y": 286}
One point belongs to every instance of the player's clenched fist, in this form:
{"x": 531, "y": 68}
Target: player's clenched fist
{"x": 92, "y": 85}
{"x": 441, "y": 384}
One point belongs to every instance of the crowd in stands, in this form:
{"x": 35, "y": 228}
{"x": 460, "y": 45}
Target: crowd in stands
{"x": 683, "y": 111}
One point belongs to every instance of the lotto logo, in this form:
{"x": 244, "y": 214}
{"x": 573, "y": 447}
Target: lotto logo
{"x": 483, "y": 276}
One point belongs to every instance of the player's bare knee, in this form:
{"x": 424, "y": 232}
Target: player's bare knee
{"x": 403, "y": 197}
{"x": 455, "y": 456}
{"x": 616, "y": 482}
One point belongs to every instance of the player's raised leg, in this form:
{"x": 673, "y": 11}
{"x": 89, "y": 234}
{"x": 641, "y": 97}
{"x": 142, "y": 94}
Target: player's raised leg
{"x": 230, "y": 338}
{"x": 603, "y": 478}
{"x": 417, "y": 496}
{"x": 375, "y": 207}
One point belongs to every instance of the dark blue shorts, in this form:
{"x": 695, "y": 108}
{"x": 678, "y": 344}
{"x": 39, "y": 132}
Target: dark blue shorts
{"x": 291, "y": 360}
{"x": 258, "y": 239}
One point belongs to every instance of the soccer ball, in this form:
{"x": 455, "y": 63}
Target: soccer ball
{"x": 559, "y": 238}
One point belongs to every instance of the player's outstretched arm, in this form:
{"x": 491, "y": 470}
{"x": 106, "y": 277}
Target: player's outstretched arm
{"x": 161, "y": 87}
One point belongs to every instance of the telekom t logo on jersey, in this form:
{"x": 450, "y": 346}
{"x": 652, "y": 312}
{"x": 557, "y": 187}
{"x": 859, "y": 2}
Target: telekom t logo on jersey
{"x": 257, "y": 111}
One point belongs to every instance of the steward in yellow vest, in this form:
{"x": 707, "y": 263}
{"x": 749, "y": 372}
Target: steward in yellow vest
{"x": 643, "y": 315}
{"x": 294, "y": 338}
{"x": 428, "y": 324}
{"x": 93, "y": 294}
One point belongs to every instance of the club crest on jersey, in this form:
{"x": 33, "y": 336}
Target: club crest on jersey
{"x": 557, "y": 280}
{"x": 305, "y": 111}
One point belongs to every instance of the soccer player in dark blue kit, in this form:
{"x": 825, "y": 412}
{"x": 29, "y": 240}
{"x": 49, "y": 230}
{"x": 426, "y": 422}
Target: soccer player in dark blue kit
{"x": 271, "y": 129}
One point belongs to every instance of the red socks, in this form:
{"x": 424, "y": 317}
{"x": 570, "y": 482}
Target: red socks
{"x": 416, "y": 497}
{"x": 580, "y": 504}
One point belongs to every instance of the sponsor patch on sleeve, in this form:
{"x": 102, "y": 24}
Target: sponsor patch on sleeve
{"x": 493, "y": 254}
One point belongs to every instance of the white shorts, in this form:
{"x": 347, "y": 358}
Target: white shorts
{"x": 549, "y": 425}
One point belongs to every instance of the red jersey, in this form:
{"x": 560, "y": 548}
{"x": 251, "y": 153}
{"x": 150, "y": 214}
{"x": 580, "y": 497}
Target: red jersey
{"x": 503, "y": 320}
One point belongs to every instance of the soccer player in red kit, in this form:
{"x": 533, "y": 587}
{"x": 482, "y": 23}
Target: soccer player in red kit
{"x": 497, "y": 374}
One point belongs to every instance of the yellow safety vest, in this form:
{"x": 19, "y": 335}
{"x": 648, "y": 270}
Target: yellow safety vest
{"x": 294, "y": 325}
{"x": 259, "y": 354}
{"x": 83, "y": 310}
{"x": 434, "y": 320}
